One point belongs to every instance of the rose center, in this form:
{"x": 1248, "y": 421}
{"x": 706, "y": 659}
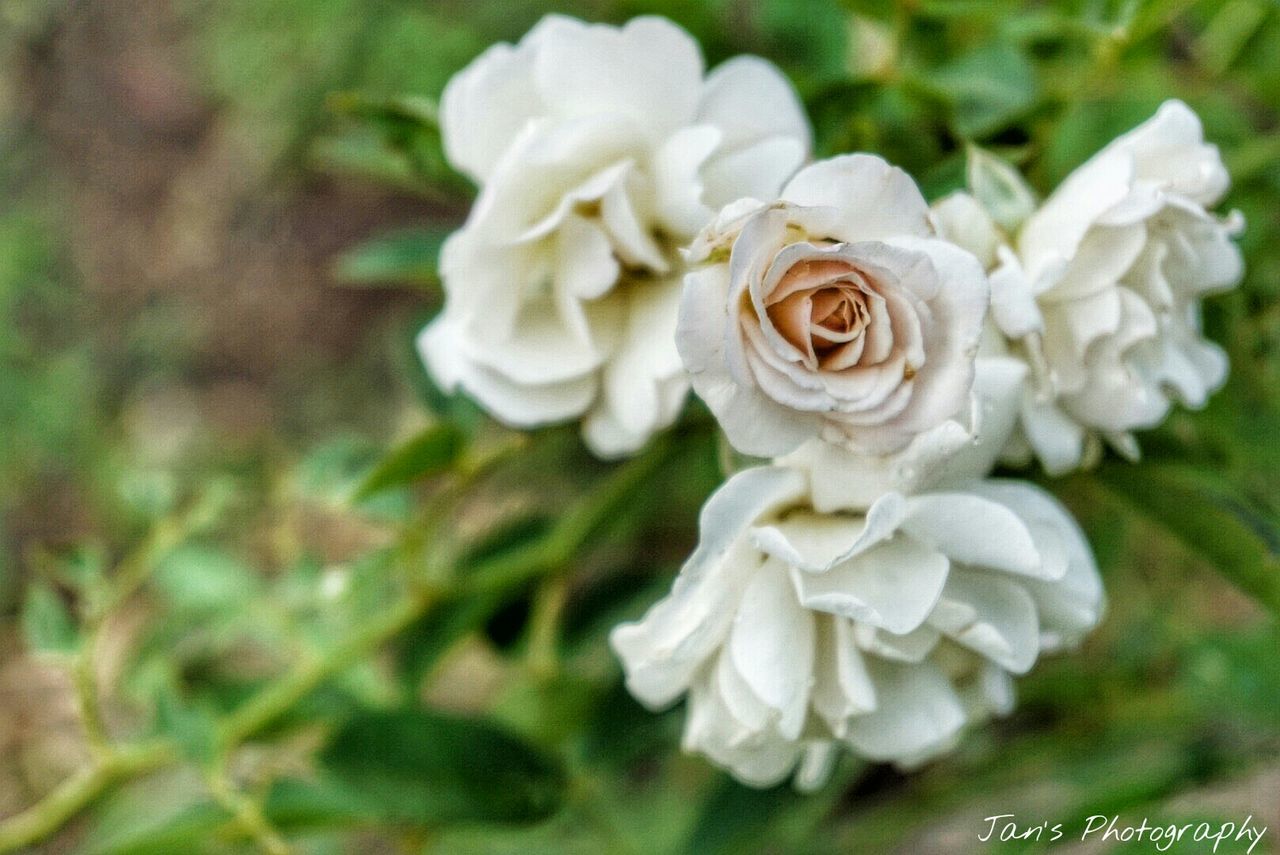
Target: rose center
{"x": 837, "y": 313}
{"x": 826, "y": 309}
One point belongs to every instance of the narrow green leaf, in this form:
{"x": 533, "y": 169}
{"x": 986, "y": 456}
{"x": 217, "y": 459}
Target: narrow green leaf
{"x": 430, "y": 452}
{"x": 504, "y": 538}
{"x": 46, "y": 623}
{"x": 425, "y": 643}
{"x": 424, "y": 767}
{"x": 409, "y": 256}
{"x": 410, "y": 109}
{"x": 1231, "y": 28}
{"x": 1203, "y": 512}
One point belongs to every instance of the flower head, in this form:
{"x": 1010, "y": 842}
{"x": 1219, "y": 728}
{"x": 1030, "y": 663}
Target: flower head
{"x": 795, "y": 631}
{"x": 834, "y": 312}
{"x": 598, "y": 150}
{"x": 1101, "y": 289}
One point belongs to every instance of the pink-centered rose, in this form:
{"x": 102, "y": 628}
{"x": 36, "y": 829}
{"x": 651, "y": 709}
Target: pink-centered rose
{"x": 834, "y": 312}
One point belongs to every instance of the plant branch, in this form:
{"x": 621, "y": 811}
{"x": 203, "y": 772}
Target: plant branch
{"x": 77, "y": 792}
{"x": 574, "y": 528}
{"x": 544, "y": 626}
{"x": 85, "y": 678}
{"x": 264, "y": 708}
{"x": 248, "y": 815}
{"x": 165, "y": 536}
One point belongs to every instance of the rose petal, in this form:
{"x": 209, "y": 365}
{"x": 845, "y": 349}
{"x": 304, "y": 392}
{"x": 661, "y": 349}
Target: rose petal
{"x": 485, "y": 105}
{"x": 772, "y": 646}
{"x": 649, "y": 69}
{"x": 971, "y": 530}
{"x": 749, "y": 100}
{"x": 992, "y": 616}
{"x": 663, "y": 650}
{"x": 917, "y": 711}
{"x": 874, "y": 200}
{"x": 893, "y": 586}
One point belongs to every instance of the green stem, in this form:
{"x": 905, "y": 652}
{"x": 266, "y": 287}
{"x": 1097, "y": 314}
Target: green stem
{"x": 270, "y": 703}
{"x": 574, "y": 528}
{"x": 85, "y": 677}
{"x": 544, "y": 626}
{"x": 78, "y": 791}
{"x": 47, "y": 815}
{"x": 579, "y": 522}
{"x": 248, "y": 814}
{"x": 132, "y": 572}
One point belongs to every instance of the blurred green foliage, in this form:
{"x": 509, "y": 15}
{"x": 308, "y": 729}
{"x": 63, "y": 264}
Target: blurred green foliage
{"x": 384, "y": 630}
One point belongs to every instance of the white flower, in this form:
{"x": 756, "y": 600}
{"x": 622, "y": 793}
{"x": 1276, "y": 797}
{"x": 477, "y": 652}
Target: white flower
{"x": 598, "y": 150}
{"x": 834, "y": 312}
{"x": 794, "y": 631}
{"x": 1101, "y": 292}
{"x": 955, "y": 452}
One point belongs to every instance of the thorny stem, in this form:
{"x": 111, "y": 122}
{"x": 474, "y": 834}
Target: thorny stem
{"x": 113, "y": 764}
{"x": 110, "y": 763}
{"x": 260, "y": 711}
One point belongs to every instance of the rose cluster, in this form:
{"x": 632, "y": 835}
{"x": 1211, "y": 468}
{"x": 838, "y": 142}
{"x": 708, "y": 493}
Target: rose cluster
{"x": 645, "y": 226}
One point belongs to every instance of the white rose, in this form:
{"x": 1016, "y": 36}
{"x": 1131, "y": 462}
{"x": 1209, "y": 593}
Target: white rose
{"x": 794, "y": 631}
{"x": 955, "y": 452}
{"x": 834, "y": 312}
{"x": 1101, "y": 291}
{"x": 598, "y": 150}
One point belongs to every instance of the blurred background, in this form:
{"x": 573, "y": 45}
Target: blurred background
{"x": 220, "y": 460}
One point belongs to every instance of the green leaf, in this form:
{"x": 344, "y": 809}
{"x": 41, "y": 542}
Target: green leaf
{"x": 1206, "y": 515}
{"x": 425, "y": 767}
{"x": 424, "y": 644}
{"x": 408, "y": 127}
{"x": 999, "y": 188}
{"x": 203, "y": 579}
{"x": 189, "y": 830}
{"x": 1231, "y": 28}
{"x": 194, "y": 728}
{"x": 430, "y": 452}
{"x": 293, "y": 804}
{"x": 504, "y": 538}
{"x": 46, "y": 623}
{"x": 735, "y": 817}
{"x": 988, "y": 88}
{"x": 811, "y": 37}
{"x": 410, "y": 110}
{"x": 409, "y": 256}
